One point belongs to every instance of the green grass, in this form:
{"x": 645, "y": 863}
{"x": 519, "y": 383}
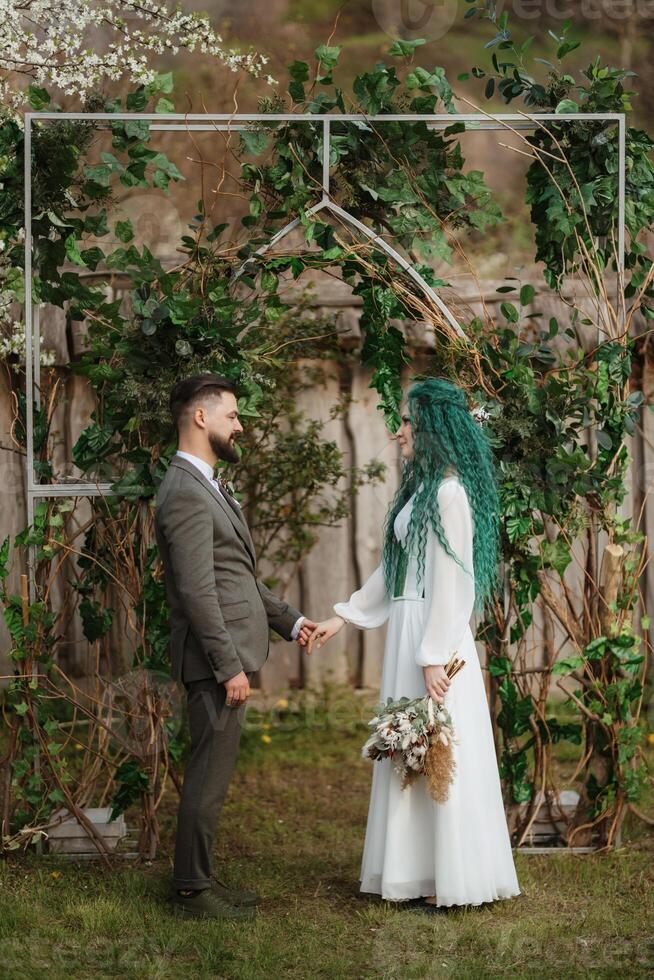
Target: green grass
{"x": 293, "y": 829}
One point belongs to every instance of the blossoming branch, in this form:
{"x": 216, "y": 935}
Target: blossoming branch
{"x": 77, "y": 44}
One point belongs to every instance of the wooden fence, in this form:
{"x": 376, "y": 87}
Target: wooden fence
{"x": 345, "y": 555}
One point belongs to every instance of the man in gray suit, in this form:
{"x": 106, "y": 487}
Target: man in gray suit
{"x": 220, "y": 616}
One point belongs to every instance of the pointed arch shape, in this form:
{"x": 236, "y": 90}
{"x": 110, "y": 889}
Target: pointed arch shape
{"x": 328, "y": 205}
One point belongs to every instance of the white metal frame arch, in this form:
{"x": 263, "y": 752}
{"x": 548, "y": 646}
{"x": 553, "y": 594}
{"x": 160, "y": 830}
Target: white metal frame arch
{"x": 374, "y": 239}
{"x": 326, "y": 204}
{"x": 234, "y": 122}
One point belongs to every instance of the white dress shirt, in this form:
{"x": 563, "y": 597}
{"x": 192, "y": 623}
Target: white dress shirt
{"x": 207, "y": 471}
{"x": 205, "y": 468}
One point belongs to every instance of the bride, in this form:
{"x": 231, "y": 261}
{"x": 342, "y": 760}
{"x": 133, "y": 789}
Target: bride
{"x": 439, "y": 563}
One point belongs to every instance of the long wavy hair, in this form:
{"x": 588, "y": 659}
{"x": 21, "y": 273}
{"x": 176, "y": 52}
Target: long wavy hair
{"x": 445, "y": 435}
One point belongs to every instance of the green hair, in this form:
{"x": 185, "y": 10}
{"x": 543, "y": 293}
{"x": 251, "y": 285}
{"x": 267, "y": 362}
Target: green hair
{"x": 446, "y": 435}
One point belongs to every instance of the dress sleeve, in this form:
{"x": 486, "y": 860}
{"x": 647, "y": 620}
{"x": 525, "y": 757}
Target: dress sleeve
{"x": 370, "y": 606}
{"x": 449, "y": 589}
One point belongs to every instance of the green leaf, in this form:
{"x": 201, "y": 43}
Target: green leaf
{"x": 499, "y": 666}
{"x": 515, "y": 712}
{"x": 405, "y": 49}
{"x": 94, "y": 443}
{"x": 124, "y": 230}
{"x": 566, "y": 105}
{"x": 527, "y": 293}
{"x": 137, "y": 101}
{"x": 255, "y": 141}
{"x": 96, "y": 620}
{"x": 567, "y": 665}
{"x": 99, "y": 174}
{"x": 299, "y": 71}
{"x": 509, "y": 312}
{"x": 164, "y": 105}
{"x": 4, "y": 558}
{"x": 38, "y": 98}
{"x": 161, "y": 83}
{"x": 516, "y": 527}
{"x": 138, "y": 129}
{"x": 92, "y": 257}
{"x": 328, "y": 56}
{"x": 73, "y": 253}
{"x": 566, "y": 48}
{"x": 57, "y": 221}
{"x": 336, "y": 252}
{"x": 604, "y": 439}
{"x": 556, "y": 554}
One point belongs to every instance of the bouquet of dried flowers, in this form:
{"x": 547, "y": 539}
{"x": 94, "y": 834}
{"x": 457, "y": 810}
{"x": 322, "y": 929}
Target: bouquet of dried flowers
{"x": 417, "y": 735}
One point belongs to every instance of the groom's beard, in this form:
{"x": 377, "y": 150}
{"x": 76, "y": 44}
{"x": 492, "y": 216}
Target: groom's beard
{"x": 223, "y": 448}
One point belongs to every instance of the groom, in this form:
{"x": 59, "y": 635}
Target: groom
{"x": 220, "y": 615}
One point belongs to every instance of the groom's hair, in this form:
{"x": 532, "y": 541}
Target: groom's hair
{"x": 189, "y": 392}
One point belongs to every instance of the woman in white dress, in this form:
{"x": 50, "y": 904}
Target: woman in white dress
{"x": 457, "y": 852}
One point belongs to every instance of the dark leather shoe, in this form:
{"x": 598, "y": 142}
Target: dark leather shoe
{"x": 208, "y": 905}
{"x": 239, "y": 897}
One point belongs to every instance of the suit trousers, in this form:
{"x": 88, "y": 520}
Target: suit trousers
{"x": 215, "y": 735}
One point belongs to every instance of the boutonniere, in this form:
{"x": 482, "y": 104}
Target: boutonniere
{"x": 228, "y": 486}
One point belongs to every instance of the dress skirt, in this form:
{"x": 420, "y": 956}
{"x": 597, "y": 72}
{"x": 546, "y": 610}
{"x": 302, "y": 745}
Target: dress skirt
{"x": 459, "y": 850}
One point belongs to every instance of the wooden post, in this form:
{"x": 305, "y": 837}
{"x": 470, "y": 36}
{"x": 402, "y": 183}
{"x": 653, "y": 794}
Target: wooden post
{"x": 610, "y": 584}
{"x": 25, "y": 599}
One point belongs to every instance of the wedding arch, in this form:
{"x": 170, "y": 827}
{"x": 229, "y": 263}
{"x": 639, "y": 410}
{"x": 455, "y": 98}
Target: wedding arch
{"x": 609, "y": 651}
{"x": 218, "y": 122}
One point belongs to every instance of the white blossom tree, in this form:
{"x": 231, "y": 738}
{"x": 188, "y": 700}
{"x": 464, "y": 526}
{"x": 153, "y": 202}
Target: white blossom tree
{"x": 54, "y": 43}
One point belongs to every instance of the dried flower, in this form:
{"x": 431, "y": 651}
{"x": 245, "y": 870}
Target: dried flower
{"x": 417, "y": 739}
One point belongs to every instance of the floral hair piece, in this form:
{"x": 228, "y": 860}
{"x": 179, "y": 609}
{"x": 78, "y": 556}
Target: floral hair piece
{"x": 480, "y": 415}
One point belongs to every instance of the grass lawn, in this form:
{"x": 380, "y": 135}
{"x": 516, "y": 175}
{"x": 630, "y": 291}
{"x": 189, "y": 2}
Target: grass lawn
{"x": 293, "y": 829}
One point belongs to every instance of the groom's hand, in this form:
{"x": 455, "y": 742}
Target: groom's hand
{"x": 306, "y": 632}
{"x": 238, "y": 690}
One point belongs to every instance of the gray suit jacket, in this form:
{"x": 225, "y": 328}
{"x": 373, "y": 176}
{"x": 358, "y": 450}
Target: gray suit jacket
{"x": 220, "y": 612}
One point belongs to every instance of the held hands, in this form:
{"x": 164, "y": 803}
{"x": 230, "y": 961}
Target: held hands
{"x": 436, "y": 681}
{"x": 324, "y": 631}
{"x": 306, "y": 632}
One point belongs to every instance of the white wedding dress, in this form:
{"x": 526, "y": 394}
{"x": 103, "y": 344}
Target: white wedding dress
{"x": 459, "y": 850}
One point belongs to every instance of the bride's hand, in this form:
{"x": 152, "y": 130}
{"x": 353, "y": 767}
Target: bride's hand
{"x": 324, "y": 631}
{"x": 436, "y": 681}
